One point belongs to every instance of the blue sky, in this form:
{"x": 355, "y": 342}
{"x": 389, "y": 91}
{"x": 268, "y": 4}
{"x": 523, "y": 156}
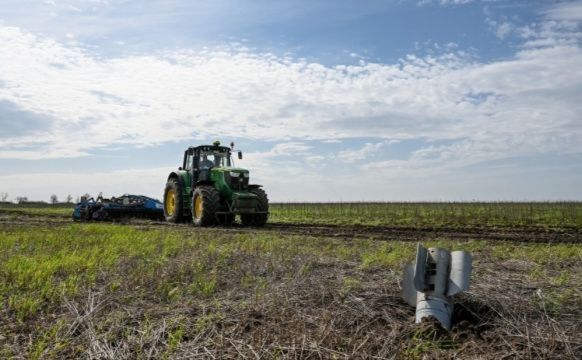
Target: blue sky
{"x": 329, "y": 100}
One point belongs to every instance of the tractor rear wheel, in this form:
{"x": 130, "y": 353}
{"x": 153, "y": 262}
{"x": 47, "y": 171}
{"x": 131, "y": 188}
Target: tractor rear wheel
{"x": 173, "y": 209}
{"x": 262, "y": 206}
{"x": 205, "y": 204}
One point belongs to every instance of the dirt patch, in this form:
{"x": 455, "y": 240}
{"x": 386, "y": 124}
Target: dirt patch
{"x": 514, "y": 234}
{"x": 384, "y": 233}
{"x": 428, "y": 233}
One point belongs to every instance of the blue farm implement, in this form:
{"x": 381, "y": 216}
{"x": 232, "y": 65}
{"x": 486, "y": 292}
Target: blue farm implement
{"x": 126, "y": 206}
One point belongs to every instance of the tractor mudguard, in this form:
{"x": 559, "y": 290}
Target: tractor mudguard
{"x": 175, "y": 175}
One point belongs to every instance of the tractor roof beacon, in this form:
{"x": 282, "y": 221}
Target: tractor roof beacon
{"x": 210, "y": 190}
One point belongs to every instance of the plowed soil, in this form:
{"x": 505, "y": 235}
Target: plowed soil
{"x": 529, "y": 234}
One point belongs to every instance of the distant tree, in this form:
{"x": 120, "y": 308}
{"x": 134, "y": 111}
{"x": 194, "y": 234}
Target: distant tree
{"x": 54, "y": 199}
{"x": 4, "y": 196}
{"x": 69, "y": 199}
{"x": 21, "y": 199}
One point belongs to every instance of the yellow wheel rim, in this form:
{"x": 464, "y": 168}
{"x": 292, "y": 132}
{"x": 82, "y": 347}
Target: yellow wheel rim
{"x": 198, "y": 207}
{"x": 170, "y": 202}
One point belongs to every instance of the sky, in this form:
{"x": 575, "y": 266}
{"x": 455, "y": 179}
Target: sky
{"x": 329, "y": 100}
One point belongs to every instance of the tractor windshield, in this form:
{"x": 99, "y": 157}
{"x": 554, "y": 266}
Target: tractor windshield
{"x": 209, "y": 159}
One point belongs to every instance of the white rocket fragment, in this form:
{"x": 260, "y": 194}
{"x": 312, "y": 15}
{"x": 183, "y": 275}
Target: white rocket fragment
{"x": 431, "y": 282}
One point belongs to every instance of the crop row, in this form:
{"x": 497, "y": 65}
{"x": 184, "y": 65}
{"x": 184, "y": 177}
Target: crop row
{"x": 473, "y": 214}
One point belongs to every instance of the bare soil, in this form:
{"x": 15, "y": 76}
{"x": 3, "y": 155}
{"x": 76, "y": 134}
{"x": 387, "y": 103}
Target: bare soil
{"x": 524, "y": 234}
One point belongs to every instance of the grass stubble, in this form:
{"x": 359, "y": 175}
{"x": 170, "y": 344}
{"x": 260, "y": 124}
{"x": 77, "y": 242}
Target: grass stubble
{"x": 126, "y": 291}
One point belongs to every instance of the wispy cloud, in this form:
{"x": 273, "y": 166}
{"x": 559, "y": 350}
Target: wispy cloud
{"x": 571, "y": 11}
{"x": 364, "y": 153}
{"x": 527, "y": 104}
{"x": 501, "y": 29}
{"x": 445, "y": 2}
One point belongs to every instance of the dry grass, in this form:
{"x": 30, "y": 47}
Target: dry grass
{"x": 114, "y": 292}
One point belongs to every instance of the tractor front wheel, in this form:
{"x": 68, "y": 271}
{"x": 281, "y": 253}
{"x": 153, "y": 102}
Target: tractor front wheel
{"x": 205, "y": 204}
{"x": 173, "y": 209}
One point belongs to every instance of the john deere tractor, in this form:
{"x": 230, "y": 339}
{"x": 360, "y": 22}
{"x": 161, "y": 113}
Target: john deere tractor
{"x": 209, "y": 190}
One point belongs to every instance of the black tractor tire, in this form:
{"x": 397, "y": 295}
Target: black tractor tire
{"x": 173, "y": 185}
{"x": 225, "y": 219}
{"x": 262, "y": 205}
{"x": 210, "y": 204}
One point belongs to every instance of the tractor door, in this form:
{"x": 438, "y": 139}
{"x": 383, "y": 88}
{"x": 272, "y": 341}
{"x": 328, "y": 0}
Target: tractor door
{"x": 201, "y": 171}
{"x": 188, "y": 166}
{"x": 195, "y": 166}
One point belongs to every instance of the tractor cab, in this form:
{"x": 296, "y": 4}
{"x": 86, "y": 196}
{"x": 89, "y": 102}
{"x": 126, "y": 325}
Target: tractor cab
{"x": 199, "y": 160}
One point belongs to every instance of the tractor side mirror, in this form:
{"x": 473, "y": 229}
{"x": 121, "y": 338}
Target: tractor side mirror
{"x": 240, "y": 155}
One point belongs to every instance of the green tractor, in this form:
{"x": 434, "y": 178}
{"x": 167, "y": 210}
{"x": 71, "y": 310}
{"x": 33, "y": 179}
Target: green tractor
{"x": 208, "y": 189}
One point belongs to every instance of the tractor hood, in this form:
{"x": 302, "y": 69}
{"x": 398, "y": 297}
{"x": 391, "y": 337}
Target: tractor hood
{"x": 230, "y": 169}
{"x": 229, "y": 179}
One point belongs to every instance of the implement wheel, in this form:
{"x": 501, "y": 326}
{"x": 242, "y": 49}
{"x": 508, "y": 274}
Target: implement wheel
{"x": 262, "y": 205}
{"x": 173, "y": 209}
{"x": 205, "y": 204}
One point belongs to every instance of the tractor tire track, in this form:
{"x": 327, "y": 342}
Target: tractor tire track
{"x": 387, "y": 233}
{"x": 348, "y": 232}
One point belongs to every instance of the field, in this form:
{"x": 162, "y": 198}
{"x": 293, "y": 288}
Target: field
{"x": 319, "y": 281}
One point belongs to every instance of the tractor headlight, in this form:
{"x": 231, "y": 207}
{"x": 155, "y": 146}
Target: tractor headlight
{"x": 246, "y": 174}
{"x": 234, "y": 174}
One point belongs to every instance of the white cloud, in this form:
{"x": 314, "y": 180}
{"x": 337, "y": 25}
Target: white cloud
{"x": 455, "y": 2}
{"x": 525, "y": 105}
{"x": 369, "y": 149}
{"x": 445, "y": 2}
{"x": 550, "y": 34}
{"x": 287, "y": 148}
{"x": 501, "y": 29}
{"x": 571, "y": 11}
